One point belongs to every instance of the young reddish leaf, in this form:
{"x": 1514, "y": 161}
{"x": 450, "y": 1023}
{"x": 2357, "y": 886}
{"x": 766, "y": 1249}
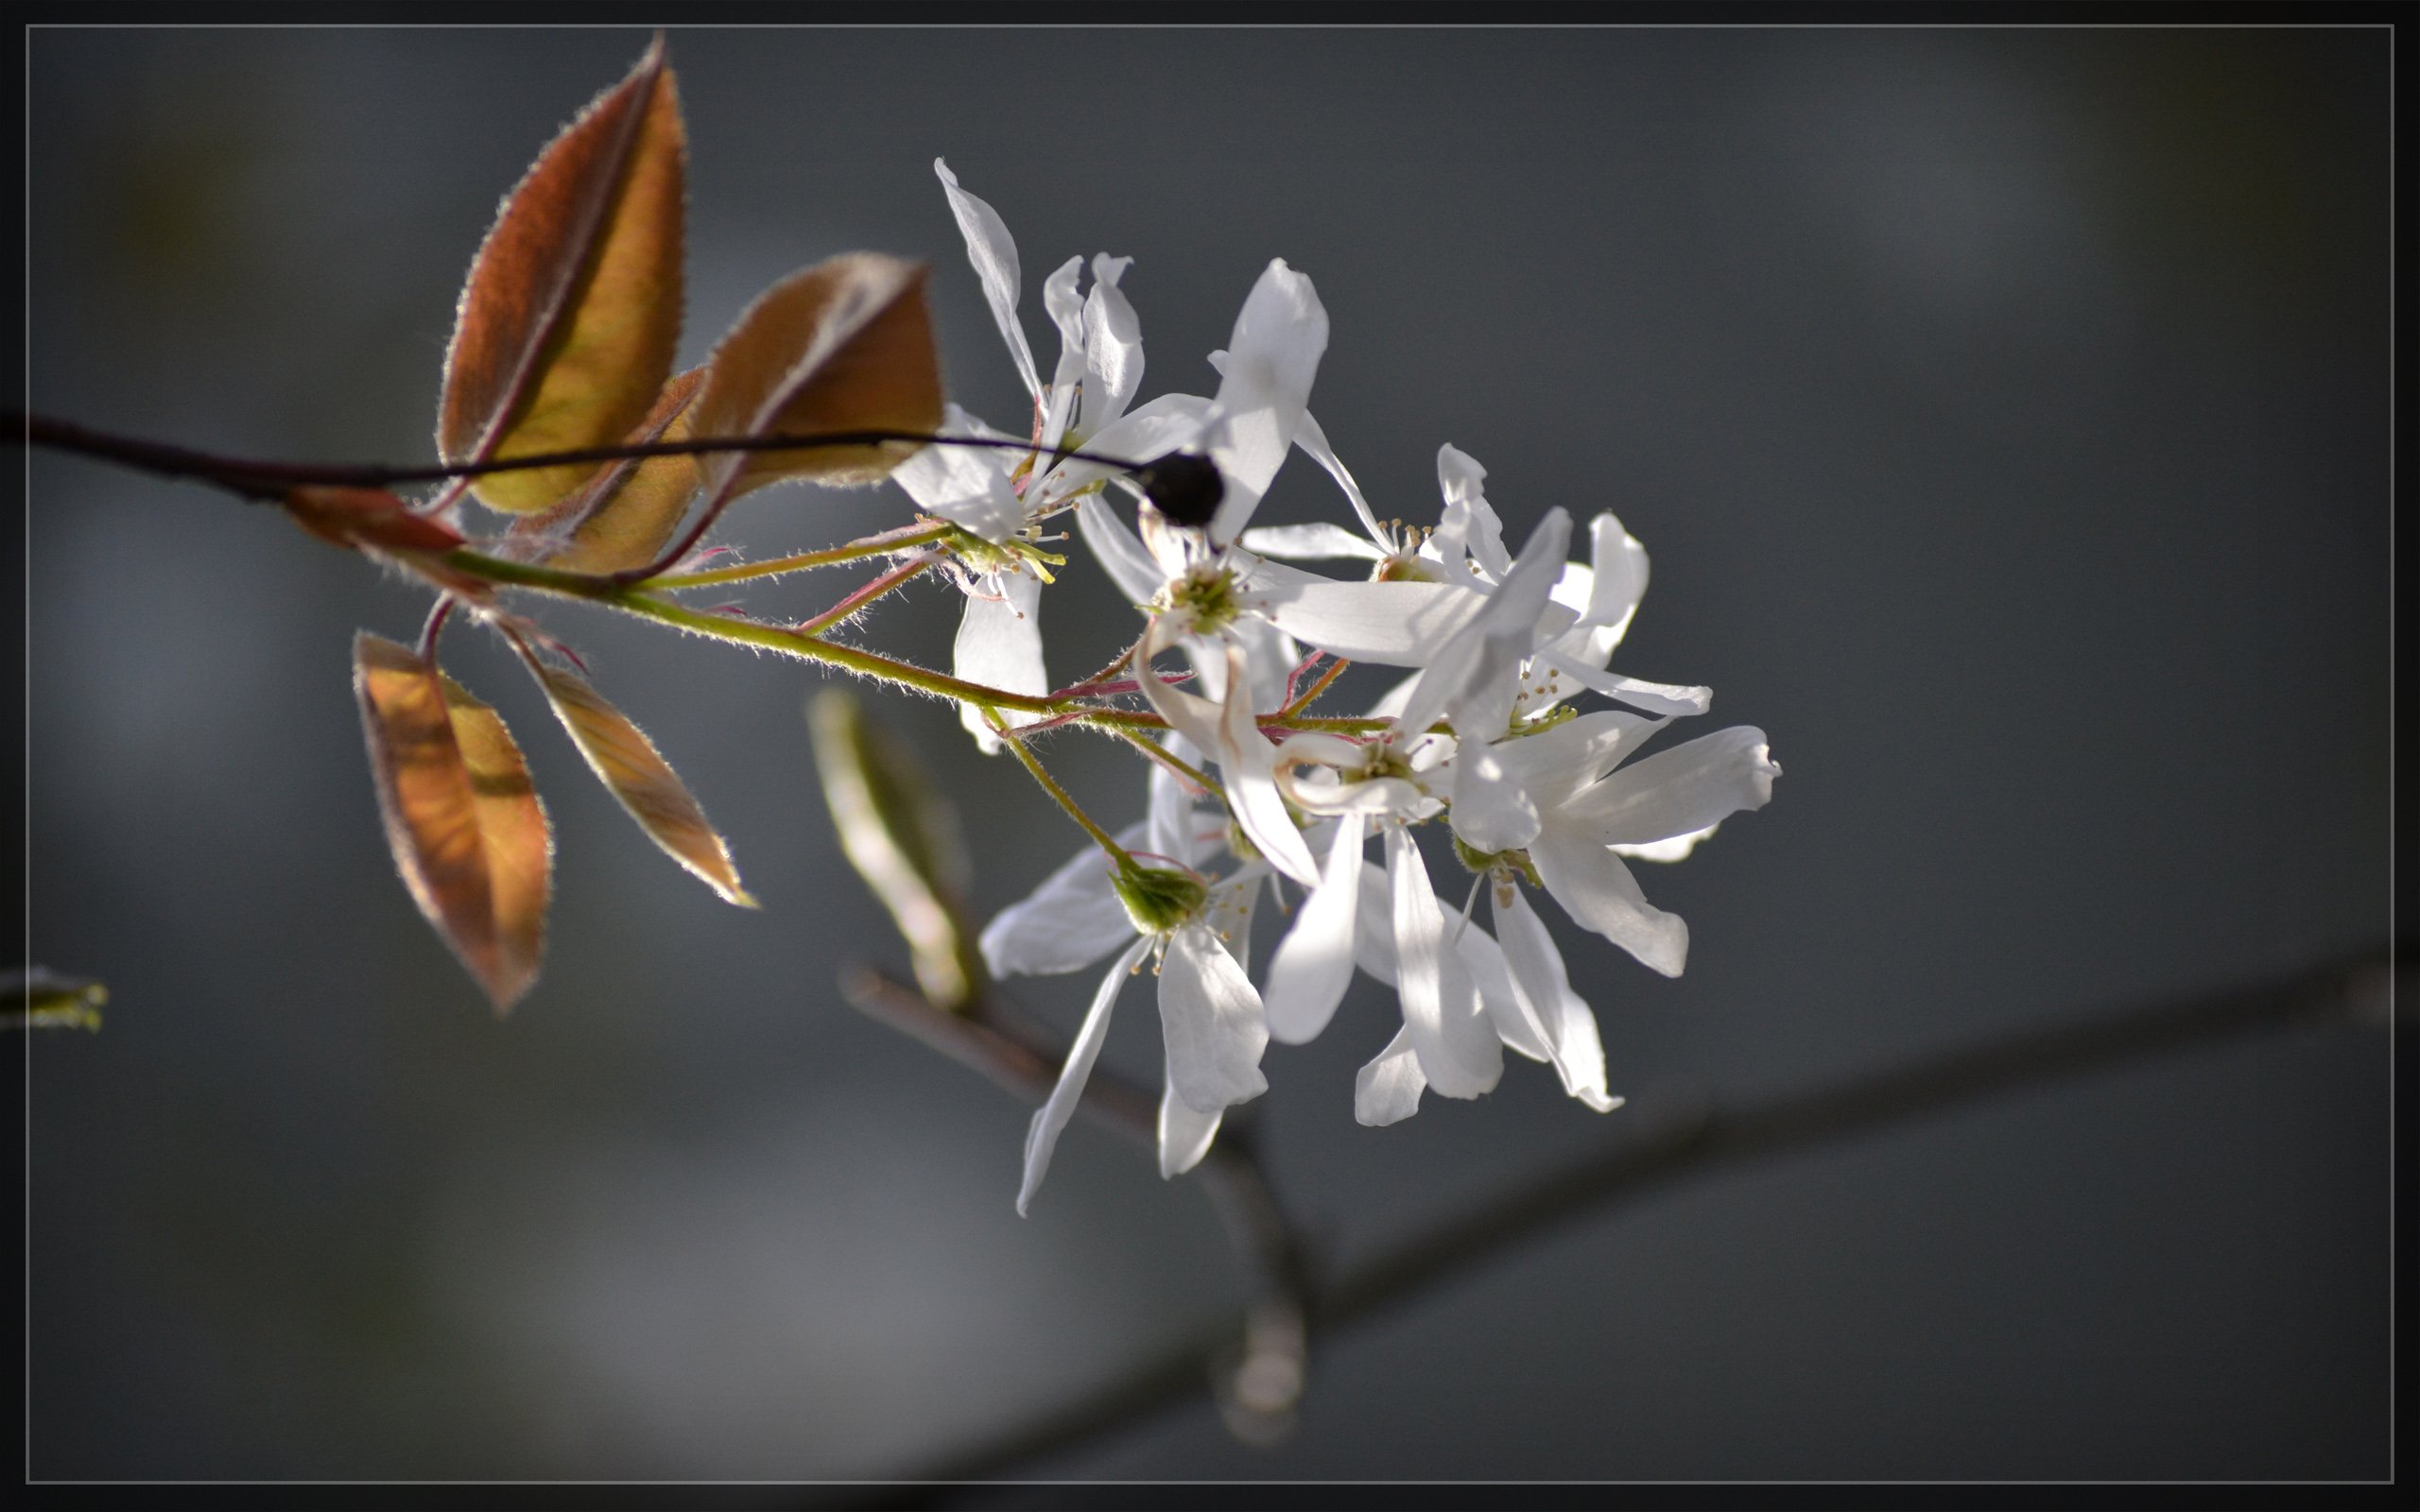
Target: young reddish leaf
{"x": 378, "y": 524}
{"x": 846, "y": 345}
{"x": 567, "y": 325}
{"x": 623, "y": 515}
{"x": 466, "y": 828}
{"x": 352, "y": 518}
{"x": 633, "y": 771}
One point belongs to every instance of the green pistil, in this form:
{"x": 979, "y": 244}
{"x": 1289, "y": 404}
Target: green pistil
{"x": 1017, "y": 554}
{"x": 1204, "y": 599}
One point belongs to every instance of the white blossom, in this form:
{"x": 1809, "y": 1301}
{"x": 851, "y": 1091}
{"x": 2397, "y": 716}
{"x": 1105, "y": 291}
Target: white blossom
{"x": 1212, "y": 1025}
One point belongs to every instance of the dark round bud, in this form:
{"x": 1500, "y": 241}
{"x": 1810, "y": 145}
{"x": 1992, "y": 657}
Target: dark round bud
{"x": 1183, "y": 486}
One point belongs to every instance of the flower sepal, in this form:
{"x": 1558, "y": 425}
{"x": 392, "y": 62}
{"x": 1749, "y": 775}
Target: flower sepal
{"x": 1158, "y": 898}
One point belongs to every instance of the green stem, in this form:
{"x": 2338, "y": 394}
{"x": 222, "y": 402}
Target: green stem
{"x": 1075, "y": 811}
{"x": 1310, "y": 695}
{"x": 890, "y": 582}
{"x": 807, "y": 560}
{"x": 810, "y": 648}
{"x": 615, "y": 595}
{"x": 1174, "y": 763}
{"x": 593, "y": 590}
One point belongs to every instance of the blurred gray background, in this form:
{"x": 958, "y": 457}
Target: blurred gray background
{"x": 2005, "y": 413}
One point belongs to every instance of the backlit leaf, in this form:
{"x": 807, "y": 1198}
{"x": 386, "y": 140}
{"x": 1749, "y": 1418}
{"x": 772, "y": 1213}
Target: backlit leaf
{"x": 352, "y": 518}
{"x": 902, "y": 836}
{"x": 380, "y": 525}
{"x": 626, "y": 512}
{"x": 467, "y": 831}
{"x": 567, "y": 324}
{"x": 633, "y": 771}
{"x": 846, "y": 345}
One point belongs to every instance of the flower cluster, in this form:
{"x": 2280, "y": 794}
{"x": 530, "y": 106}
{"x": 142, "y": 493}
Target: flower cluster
{"x": 1481, "y": 732}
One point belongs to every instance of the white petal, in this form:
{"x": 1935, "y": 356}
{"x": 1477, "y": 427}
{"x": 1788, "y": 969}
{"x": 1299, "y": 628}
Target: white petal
{"x": 1170, "y": 823}
{"x": 1387, "y": 1090}
{"x": 1510, "y": 619}
{"x": 1373, "y": 926}
{"x": 1664, "y": 852}
{"x": 1312, "y": 439}
{"x": 1459, "y": 1052}
{"x": 1250, "y": 763}
{"x": 1272, "y": 356}
{"x": 1211, "y": 1021}
{"x": 993, "y": 252}
{"x": 1538, "y": 979}
{"x": 1580, "y": 1057}
{"x": 1321, "y": 542}
{"x": 1071, "y": 920}
{"x": 1173, "y": 548}
{"x": 999, "y": 645}
{"x": 1314, "y": 962}
{"x": 1319, "y": 745}
{"x": 1042, "y": 1135}
{"x": 1114, "y": 547}
{"x": 1484, "y": 959}
{"x": 1269, "y": 657}
{"x": 1459, "y": 477}
{"x": 1112, "y": 345}
{"x": 1584, "y": 645}
{"x": 1491, "y": 810}
{"x": 1597, "y": 890}
{"x": 1197, "y": 719}
{"x": 1184, "y": 1134}
{"x": 1619, "y": 577}
{"x": 1656, "y": 697}
{"x": 1391, "y": 796}
{"x": 1171, "y": 422}
{"x": 1470, "y": 520}
{"x": 1229, "y": 910}
{"x": 1399, "y": 625}
{"x": 966, "y": 485}
{"x": 1066, "y": 310}
{"x": 1679, "y": 791}
{"x": 1557, "y": 763}
{"x": 1391, "y": 703}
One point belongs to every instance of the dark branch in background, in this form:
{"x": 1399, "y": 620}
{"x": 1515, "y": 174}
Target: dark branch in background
{"x": 1663, "y": 1143}
{"x": 1257, "y": 1382}
{"x": 271, "y": 481}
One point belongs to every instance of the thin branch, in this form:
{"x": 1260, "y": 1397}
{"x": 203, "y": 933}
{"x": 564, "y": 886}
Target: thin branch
{"x": 1075, "y": 811}
{"x": 1310, "y": 695}
{"x": 1116, "y": 664}
{"x": 256, "y": 479}
{"x": 273, "y": 481}
{"x": 1167, "y": 758}
{"x": 1261, "y": 1381}
{"x": 1692, "y": 1138}
{"x": 885, "y": 583}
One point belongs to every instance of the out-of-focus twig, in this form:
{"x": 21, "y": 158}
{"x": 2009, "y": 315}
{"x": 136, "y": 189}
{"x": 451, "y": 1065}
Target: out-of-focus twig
{"x": 1258, "y": 1380}
{"x": 1679, "y": 1139}
{"x": 35, "y": 997}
